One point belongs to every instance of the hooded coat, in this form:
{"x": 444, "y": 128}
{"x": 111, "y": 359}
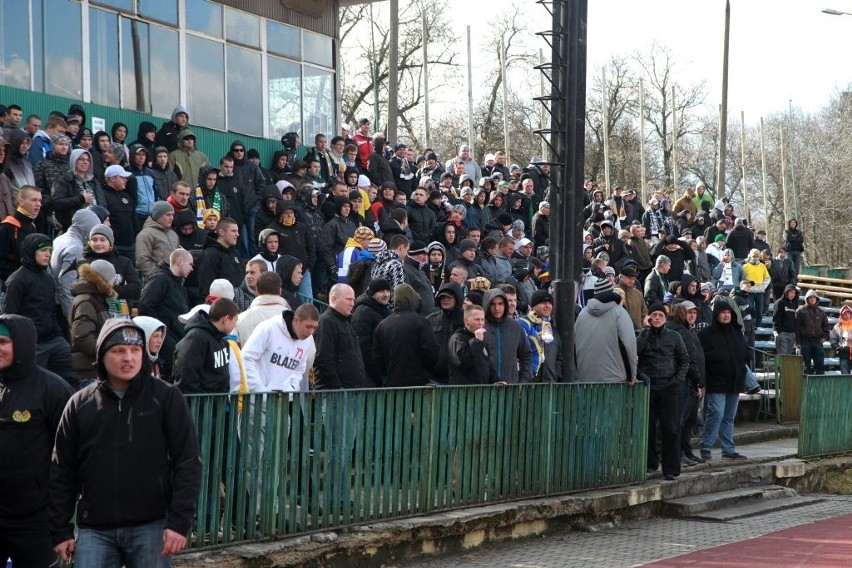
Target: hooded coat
{"x": 31, "y": 290}
{"x": 154, "y": 244}
{"x": 149, "y": 325}
{"x": 404, "y": 347}
{"x": 366, "y": 316}
{"x": 67, "y": 249}
{"x": 605, "y": 343}
{"x": 506, "y": 342}
{"x": 53, "y": 167}
{"x": 248, "y": 176}
{"x": 128, "y": 286}
{"x": 187, "y": 162}
{"x": 168, "y": 135}
{"x": 26, "y": 445}
{"x": 67, "y": 194}
{"x": 784, "y": 313}
{"x": 295, "y": 240}
{"x": 444, "y": 324}
{"x": 124, "y": 461}
{"x": 725, "y": 353}
{"x": 19, "y": 169}
{"x": 194, "y": 241}
{"x": 284, "y": 268}
{"x": 336, "y": 233}
{"x": 89, "y": 312}
{"x": 218, "y": 261}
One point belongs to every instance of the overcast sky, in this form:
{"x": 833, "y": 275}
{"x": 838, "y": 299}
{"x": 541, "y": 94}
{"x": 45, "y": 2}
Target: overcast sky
{"x": 779, "y": 50}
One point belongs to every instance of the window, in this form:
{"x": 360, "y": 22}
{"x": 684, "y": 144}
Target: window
{"x": 62, "y": 48}
{"x": 245, "y": 101}
{"x": 318, "y": 102}
{"x": 161, "y": 10}
{"x": 242, "y": 27}
{"x": 164, "y": 70}
{"x": 14, "y": 45}
{"x": 283, "y": 39}
{"x": 318, "y": 49}
{"x": 204, "y": 16}
{"x": 103, "y": 48}
{"x": 149, "y": 68}
{"x": 285, "y": 97}
{"x": 124, "y": 5}
{"x": 205, "y": 63}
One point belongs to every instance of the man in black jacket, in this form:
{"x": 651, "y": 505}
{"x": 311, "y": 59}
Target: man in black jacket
{"x": 202, "y": 356}
{"x": 31, "y": 403}
{"x": 296, "y": 239}
{"x": 31, "y": 292}
{"x": 128, "y": 439}
{"x": 168, "y": 133}
{"x": 403, "y": 344}
{"x": 338, "y": 363}
{"x": 371, "y": 308}
{"x": 251, "y": 182}
{"x": 16, "y": 226}
{"x": 219, "y": 258}
{"x": 445, "y": 321}
{"x": 784, "y": 320}
{"x": 468, "y": 357}
{"x": 664, "y": 360}
{"x": 164, "y": 298}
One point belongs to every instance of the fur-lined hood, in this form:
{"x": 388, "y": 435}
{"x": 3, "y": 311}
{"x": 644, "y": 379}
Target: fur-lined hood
{"x": 90, "y": 282}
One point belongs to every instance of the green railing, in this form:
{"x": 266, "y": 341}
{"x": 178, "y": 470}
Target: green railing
{"x": 826, "y": 415}
{"x": 317, "y": 461}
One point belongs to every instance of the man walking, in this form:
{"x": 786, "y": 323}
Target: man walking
{"x": 126, "y": 458}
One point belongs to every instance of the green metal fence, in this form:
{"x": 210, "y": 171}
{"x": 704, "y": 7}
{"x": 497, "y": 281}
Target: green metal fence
{"x": 826, "y": 415}
{"x": 315, "y": 461}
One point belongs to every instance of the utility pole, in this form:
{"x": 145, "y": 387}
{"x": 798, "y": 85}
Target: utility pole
{"x": 605, "y": 116}
{"x": 425, "y": 82}
{"x": 675, "y": 174}
{"x": 643, "y": 191}
{"x": 763, "y": 171}
{"x": 784, "y": 178}
{"x": 393, "y": 73}
{"x": 469, "y": 97}
{"x": 505, "y": 80}
{"x": 792, "y": 168}
{"x": 374, "y": 67}
{"x": 723, "y": 115}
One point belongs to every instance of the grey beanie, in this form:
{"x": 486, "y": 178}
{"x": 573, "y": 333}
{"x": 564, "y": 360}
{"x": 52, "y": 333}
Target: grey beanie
{"x": 161, "y": 208}
{"x": 104, "y": 269}
{"x": 104, "y": 230}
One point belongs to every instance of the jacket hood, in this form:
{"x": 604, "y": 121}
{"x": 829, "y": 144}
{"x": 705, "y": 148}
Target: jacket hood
{"x": 275, "y": 157}
{"x": 78, "y": 109}
{"x": 811, "y": 294}
{"x": 719, "y": 306}
{"x": 789, "y": 287}
{"x": 284, "y": 267}
{"x": 184, "y": 133}
{"x": 179, "y": 109}
{"x": 144, "y": 128}
{"x": 488, "y": 297}
{"x": 74, "y": 156}
{"x": 597, "y": 308}
{"x": 454, "y": 289}
{"x": 82, "y": 223}
{"x": 201, "y": 320}
{"x": 202, "y": 174}
{"x": 845, "y": 309}
{"x": 24, "y": 339}
{"x": 283, "y": 206}
{"x": 29, "y": 246}
{"x": 270, "y": 192}
{"x": 184, "y": 217}
{"x": 339, "y": 202}
{"x": 14, "y": 138}
{"x": 149, "y": 325}
{"x": 435, "y": 245}
{"x": 405, "y": 299}
{"x": 111, "y": 326}
{"x": 92, "y": 278}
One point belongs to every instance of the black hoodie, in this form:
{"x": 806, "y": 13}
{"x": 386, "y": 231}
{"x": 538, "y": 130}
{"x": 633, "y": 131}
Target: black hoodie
{"x": 31, "y": 403}
{"x": 124, "y": 461}
{"x": 784, "y": 314}
{"x": 201, "y": 358}
{"x": 217, "y": 261}
{"x": 725, "y": 353}
{"x": 366, "y": 316}
{"x": 444, "y": 324}
{"x": 194, "y": 241}
{"x": 284, "y": 268}
{"x": 30, "y": 290}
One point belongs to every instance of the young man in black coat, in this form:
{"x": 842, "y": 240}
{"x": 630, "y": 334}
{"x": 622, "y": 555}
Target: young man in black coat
{"x": 219, "y": 258}
{"x": 31, "y": 403}
{"x": 468, "y": 357}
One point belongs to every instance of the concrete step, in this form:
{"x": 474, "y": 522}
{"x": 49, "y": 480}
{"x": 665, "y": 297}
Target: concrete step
{"x": 756, "y": 508}
{"x": 694, "y": 505}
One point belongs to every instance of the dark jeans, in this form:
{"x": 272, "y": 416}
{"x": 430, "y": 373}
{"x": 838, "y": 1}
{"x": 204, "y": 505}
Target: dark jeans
{"x": 813, "y": 356}
{"x": 688, "y": 406}
{"x": 664, "y": 411}
{"x": 132, "y": 547}
{"x": 55, "y": 355}
{"x": 795, "y": 257}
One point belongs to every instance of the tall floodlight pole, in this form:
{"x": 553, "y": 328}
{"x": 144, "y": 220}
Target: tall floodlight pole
{"x": 723, "y": 116}
{"x": 642, "y": 169}
{"x": 763, "y": 172}
{"x": 505, "y": 80}
{"x": 374, "y": 67}
{"x": 568, "y": 122}
{"x": 425, "y": 33}
{"x": 784, "y": 177}
{"x": 545, "y": 151}
{"x": 469, "y": 95}
{"x": 675, "y": 175}
{"x": 605, "y": 123}
{"x": 393, "y": 73}
{"x": 743, "y": 160}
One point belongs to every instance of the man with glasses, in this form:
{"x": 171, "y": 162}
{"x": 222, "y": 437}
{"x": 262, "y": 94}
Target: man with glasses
{"x": 186, "y": 161}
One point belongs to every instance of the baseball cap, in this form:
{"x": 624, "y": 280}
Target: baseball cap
{"x": 116, "y": 171}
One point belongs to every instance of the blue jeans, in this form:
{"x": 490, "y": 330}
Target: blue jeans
{"x": 133, "y": 547}
{"x": 750, "y": 379}
{"x": 719, "y": 412}
{"x": 796, "y": 258}
{"x": 306, "y": 287}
